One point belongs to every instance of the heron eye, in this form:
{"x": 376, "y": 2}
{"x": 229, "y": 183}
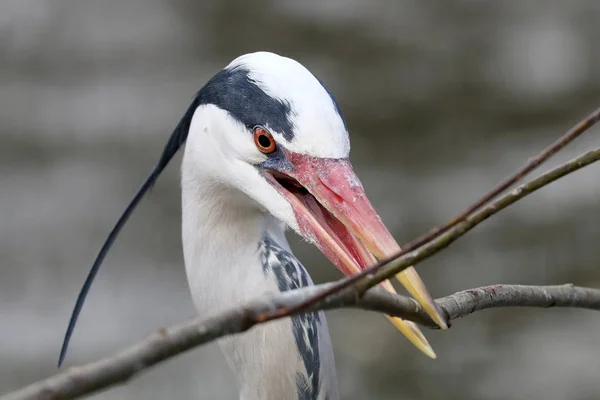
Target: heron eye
{"x": 264, "y": 141}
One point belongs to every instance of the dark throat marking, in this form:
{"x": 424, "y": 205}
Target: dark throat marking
{"x": 290, "y": 274}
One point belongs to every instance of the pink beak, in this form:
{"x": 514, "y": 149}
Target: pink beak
{"x": 334, "y": 213}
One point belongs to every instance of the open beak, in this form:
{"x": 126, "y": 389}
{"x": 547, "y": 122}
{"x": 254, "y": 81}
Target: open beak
{"x": 334, "y": 213}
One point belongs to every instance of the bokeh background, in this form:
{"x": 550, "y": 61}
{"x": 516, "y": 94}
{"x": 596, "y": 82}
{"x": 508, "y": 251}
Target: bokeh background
{"x": 442, "y": 99}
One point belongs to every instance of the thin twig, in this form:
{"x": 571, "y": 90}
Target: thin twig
{"x": 573, "y": 133}
{"x": 167, "y": 343}
{"x": 501, "y": 203}
{"x": 385, "y": 270}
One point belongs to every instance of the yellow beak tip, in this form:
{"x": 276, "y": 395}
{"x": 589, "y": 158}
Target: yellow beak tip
{"x": 440, "y": 322}
{"x": 415, "y": 286}
{"x": 431, "y": 354}
{"x": 414, "y": 334}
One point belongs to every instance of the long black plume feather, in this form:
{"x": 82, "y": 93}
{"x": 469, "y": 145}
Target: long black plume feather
{"x": 173, "y": 145}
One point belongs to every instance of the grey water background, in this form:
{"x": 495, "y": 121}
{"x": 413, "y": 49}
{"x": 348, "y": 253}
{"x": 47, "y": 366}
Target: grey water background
{"x": 442, "y": 99}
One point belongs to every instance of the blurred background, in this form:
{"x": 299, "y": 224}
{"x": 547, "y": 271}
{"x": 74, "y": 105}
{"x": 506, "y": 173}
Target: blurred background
{"x": 442, "y": 99}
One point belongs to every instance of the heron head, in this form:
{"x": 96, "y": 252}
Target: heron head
{"x": 258, "y": 126}
{"x": 269, "y": 128}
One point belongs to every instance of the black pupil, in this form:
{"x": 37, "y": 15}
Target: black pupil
{"x": 264, "y": 141}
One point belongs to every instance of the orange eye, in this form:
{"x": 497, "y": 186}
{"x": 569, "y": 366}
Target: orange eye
{"x": 264, "y": 141}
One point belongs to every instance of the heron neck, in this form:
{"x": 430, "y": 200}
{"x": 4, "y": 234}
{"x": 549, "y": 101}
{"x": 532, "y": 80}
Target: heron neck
{"x": 235, "y": 252}
{"x": 221, "y": 233}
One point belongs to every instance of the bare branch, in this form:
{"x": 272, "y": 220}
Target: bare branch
{"x": 167, "y": 343}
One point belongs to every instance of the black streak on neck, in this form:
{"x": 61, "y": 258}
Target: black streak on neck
{"x": 290, "y": 274}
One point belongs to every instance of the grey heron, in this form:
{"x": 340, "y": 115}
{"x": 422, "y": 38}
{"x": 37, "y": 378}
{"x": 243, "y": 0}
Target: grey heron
{"x": 267, "y": 149}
